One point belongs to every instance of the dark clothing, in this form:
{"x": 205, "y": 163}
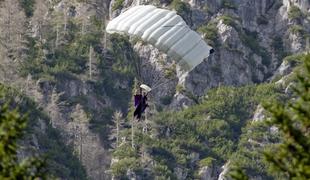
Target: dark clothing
{"x": 140, "y": 104}
{"x": 138, "y": 99}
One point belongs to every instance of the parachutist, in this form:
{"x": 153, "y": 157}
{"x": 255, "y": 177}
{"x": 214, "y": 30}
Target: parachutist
{"x": 140, "y": 103}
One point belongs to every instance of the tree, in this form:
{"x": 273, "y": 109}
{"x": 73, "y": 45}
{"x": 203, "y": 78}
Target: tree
{"x": 12, "y": 28}
{"x": 12, "y": 127}
{"x": 292, "y": 156}
{"x": 117, "y": 118}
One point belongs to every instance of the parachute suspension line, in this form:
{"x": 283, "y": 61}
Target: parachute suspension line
{"x": 163, "y": 83}
{"x": 137, "y": 65}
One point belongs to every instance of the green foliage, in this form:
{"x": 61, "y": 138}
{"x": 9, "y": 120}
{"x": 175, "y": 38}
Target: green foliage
{"x": 206, "y": 162}
{"x": 297, "y": 29}
{"x": 162, "y": 172}
{"x": 294, "y": 59}
{"x": 228, "y": 4}
{"x": 209, "y": 32}
{"x": 170, "y": 71}
{"x": 118, "y": 4}
{"x": 228, "y": 20}
{"x": 238, "y": 174}
{"x": 179, "y": 88}
{"x": 119, "y": 66}
{"x": 250, "y": 39}
{"x": 182, "y": 8}
{"x": 278, "y": 46}
{"x": 59, "y": 158}
{"x": 124, "y": 60}
{"x": 69, "y": 56}
{"x": 123, "y": 67}
{"x": 210, "y": 129}
{"x": 12, "y": 127}
{"x": 28, "y": 6}
{"x": 295, "y": 13}
{"x": 291, "y": 157}
{"x": 120, "y": 168}
{"x": 125, "y": 151}
{"x": 249, "y": 155}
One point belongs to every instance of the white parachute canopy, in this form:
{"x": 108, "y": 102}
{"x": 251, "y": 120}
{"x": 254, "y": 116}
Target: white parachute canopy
{"x": 145, "y": 87}
{"x": 165, "y": 30}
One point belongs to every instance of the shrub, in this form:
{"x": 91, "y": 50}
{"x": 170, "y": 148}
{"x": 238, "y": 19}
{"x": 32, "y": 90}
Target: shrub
{"x": 294, "y": 13}
{"x": 28, "y": 6}
{"x": 228, "y": 4}
{"x": 182, "y": 8}
{"x": 228, "y": 20}
{"x": 297, "y": 29}
{"x": 117, "y": 5}
{"x": 206, "y": 162}
{"x": 250, "y": 39}
{"x": 277, "y": 44}
{"x": 209, "y": 32}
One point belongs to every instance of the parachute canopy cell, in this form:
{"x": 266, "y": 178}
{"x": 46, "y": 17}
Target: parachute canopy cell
{"x": 165, "y": 30}
{"x": 145, "y": 87}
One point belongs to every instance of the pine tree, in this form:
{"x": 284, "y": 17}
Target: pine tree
{"x": 12, "y": 127}
{"x": 292, "y": 156}
{"x": 117, "y": 118}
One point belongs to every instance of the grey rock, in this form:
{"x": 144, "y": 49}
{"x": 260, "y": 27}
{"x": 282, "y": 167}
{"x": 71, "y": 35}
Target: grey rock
{"x": 205, "y": 173}
{"x": 259, "y": 114}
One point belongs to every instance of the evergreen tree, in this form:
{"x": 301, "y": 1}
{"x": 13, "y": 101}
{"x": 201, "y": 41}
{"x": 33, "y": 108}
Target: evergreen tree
{"x": 12, "y": 127}
{"x": 292, "y": 156}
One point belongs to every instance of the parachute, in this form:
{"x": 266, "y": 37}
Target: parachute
{"x": 165, "y": 30}
{"x": 145, "y": 87}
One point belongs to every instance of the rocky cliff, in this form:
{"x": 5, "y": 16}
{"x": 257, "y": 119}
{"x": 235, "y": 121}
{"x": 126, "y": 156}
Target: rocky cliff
{"x": 56, "y": 52}
{"x": 250, "y": 40}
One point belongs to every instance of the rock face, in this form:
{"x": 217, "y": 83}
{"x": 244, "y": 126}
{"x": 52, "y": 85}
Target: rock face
{"x": 225, "y": 169}
{"x": 207, "y": 173}
{"x": 65, "y": 98}
{"x": 259, "y": 114}
{"x": 157, "y": 71}
{"x": 74, "y": 121}
{"x": 251, "y": 39}
{"x": 247, "y": 51}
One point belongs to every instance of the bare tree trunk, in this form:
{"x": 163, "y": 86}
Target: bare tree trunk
{"x": 57, "y": 36}
{"x": 132, "y": 133}
{"x": 117, "y": 132}
{"x": 81, "y": 145}
{"x": 83, "y": 26}
{"x": 105, "y": 33}
{"x": 308, "y": 44}
{"x": 65, "y": 19}
{"x": 117, "y": 117}
{"x": 90, "y": 61}
{"x": 9, "y": 23}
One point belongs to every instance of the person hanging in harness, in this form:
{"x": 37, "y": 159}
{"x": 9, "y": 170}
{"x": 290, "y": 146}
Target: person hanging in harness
{"x": 140, "y": 103}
